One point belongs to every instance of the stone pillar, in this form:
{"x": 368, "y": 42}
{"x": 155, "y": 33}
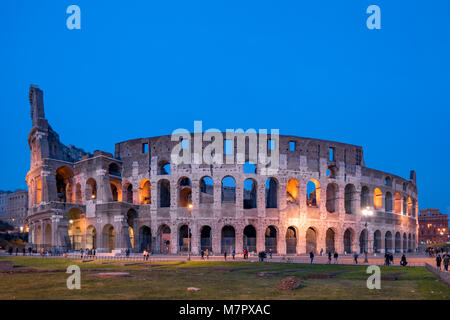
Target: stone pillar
{"x": 281, "y": 239}
{"x": 261, "y": 238}
{"x": 301, "y": 241}
{"x": 195, "y": 240}
{"x": 174, "y": 238}
{"x": 217, "y": 198}
{"x": 55, "y": 223}
{"x": 239, "y": 239}
{"x": 216, "y": 238}
{"x": 239, "y": 198}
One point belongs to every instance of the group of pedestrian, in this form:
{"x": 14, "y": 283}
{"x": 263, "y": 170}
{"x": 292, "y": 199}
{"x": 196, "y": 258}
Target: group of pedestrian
{"x": 204, "y": 253}
{"x": 335, "y": 256}
{"x": 245, "y": 253}
{"x": 388, "y": 258}
{"x": 445, "y": 259}
{"x": 87, "y": 253}
{"x": 262, "y": 255}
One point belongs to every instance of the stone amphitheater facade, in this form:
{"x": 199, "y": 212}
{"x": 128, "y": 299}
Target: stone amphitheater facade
{"x": 137, "y": 199}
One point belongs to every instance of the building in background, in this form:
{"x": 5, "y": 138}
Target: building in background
{"x": 433, "y": 227}
{"x": 16, "y": 209}
{"x": 3, "y": 201}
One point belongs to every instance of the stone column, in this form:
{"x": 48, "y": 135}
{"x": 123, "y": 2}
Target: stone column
{"x": 216, "y": 238}
{"x": 260, "y": 238}
{"x": 301, "y": 241}
{"x": 195, "y": 239}
{"x": 173, "y": 238}
{"x": 281, "y": 239}
{"x": 239, "y": 239}
{"x": 217, "y": 198}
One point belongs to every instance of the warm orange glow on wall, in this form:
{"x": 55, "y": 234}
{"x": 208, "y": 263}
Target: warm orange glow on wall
{"x": 398, "y": 203}
{"x": 377, "y": 198}
{"x": 144, "y": 192}
{"x": 292, "y": 190}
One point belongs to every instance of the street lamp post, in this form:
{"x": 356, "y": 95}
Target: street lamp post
{"x": 190, "y": 207}
{"x": 367, "y": 212}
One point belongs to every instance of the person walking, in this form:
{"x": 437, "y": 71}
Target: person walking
{"x": 225, "y": 255}
{"x": 233, "y": 253}
{"x": 446, "y": 259}
{"x": 311, "y": 256}
{"x": 438, "y": 261}
{"x": 336, "y": 256}
{"x": 23, "y": 251}
{"x": 29, "y": 250}
{"x": 355, "y": 258}
{"x": 321, "y": 252}
{"x": 270, "y": 253}
{"x": 207, "y": 254}
{"x": 403, "y": 261}
{"x": 386, "y": 259}
{"x": 202, "y": 253}
{"x": 329, "y": 257}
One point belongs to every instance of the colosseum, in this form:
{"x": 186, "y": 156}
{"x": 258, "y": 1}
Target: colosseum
{"x": 319, "y": 198}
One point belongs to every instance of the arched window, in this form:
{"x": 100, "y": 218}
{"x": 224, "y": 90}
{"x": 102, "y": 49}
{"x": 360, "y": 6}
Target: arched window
{"x": 398, "y": 203}
{"x": 164, "y": 168}
{"x": 250, "y": 194}
{"x": 377, "y": 198}
{"x": 184, "y": 192}
{"x": 292, "y": 191}
{"x": 228, "y": 189}
{"x": 114, "y": 169}
{"x": 365, "y": 197}
{"x": 349, "y": 198}
{"x": 145, "y": 192}
{"x": 405, "y": 206}
{"x": 91, "y": 189}
{"x": 64, "y": 177}
{"x": 164, "y": 193}
{"x": 129, "y": 192}
{"x": 332, "y": 191}
{"x": 313, "y": 193}
{"x": 271, "y": 193}
{"x": 206, "y": 190}
{"x": 388, "y": 202}
{"x": 388, "y": 181}
{"x": 116, "y": 191}
{"x": 410, "y": 206}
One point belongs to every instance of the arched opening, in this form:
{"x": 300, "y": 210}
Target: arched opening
{"x": 377, "y": 199}
{"x": 78, "y": 194}
{"x": 350, "y": 198}
{"x": 249, "y": 168}
{"x": 377, "y": 241}
{"x": 405, "y": 243}
{"x": 145, "y": 238}
{"x": 91, "y": 238}
{"x": 311, "y": 240}
{"x": 365, "y": 197}
{"x": 206, "y": 238}
{"x": 291, "y": 240}
{"x": 108, "y": 237}
{"x": 363, "y": 241}
{"x": 164, "y": 193}
{"x": 313, "y": 193}
{"x": 410, "y": 206}
{"x": 388, "y": 181}
{"x": 184, "y": 192}
{"x": 228, "y": 239}
{"x": 414, "y": 204}
{"x": 116, "y": 191}
{"x": 145, "y": 192}
{"x": 249, "y": 239}
{"x": 292, "y": 191}
{"x": 228, "y": 189}
{"x": 128, "y": 192}
{"x": 132, "y": 224}
{"x": 398, "y": 242}
{"x": 398, "y": 203}
{"x": 184, "y": 238}
{"x": 271, "y": 239}
{"x": 206, "y": 190}
{"x": 64, "y": 177}
{"x": 271, "y": 193}
{"x": 348, "y": 241}
{"x": 39, "y": 191}
{"x": 164, "y": 168}
{"x": 332, "y": 192}
{"x": 409, "y": 243}
{"x": 388, "y": 242}
{"x": 249, "y": 194}
{"x": 48, "y": 236}
{"x": 114, "y": 169}
{"x": 388, "y": 202}
{"x": 164, "y": 239}
{"x": 330, "y": 240}
{"x": 332, "y": 172}
{"x": 75, "y": 219}
{"x": 91, "y": 189}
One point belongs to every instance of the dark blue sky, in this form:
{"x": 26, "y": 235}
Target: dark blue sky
{"x": 312, "y": 69}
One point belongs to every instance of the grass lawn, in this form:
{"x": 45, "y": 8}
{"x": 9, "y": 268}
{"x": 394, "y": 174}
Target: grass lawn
{"x": 217, "y": 280}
